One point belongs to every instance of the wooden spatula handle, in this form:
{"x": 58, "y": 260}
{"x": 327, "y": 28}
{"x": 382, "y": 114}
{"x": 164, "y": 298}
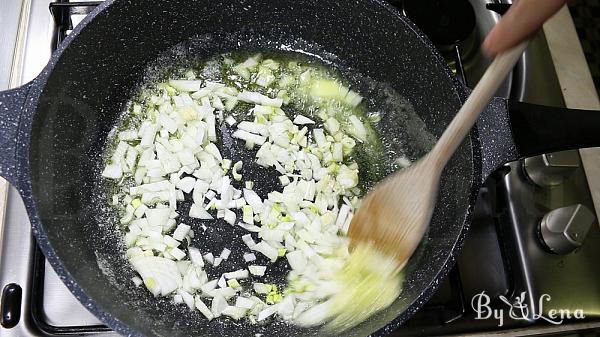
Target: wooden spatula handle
{"x": 477, "y": 101}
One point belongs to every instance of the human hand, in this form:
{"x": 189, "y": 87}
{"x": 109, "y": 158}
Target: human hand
{"x": 523, "y": 19}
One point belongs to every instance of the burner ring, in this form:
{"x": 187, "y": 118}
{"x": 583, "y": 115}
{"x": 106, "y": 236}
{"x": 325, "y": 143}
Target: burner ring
{"x": 445, "y": 22}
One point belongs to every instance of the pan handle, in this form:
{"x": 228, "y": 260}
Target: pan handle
{"x": 541, "y": 129}
{"x": 11, "y": 109}
{"x": 510, "y": 130}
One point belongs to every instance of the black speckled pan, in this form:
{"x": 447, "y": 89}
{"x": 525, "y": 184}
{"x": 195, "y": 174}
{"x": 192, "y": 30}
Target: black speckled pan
{"x": 53, "y": 131}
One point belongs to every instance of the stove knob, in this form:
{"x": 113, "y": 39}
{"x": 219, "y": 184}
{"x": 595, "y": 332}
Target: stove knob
{"x": 552, "y": 168}
{"x": 564, "y": 229}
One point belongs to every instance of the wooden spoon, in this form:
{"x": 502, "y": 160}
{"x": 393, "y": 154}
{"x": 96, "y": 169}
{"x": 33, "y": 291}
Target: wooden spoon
{"x": 395, "y": 214}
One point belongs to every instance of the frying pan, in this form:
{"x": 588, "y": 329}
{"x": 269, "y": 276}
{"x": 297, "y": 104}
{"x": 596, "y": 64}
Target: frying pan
{"x": 54, "y": 129}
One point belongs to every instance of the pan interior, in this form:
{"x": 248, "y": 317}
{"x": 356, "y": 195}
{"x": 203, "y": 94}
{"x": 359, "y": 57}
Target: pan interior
{"x": 95, "y": 76}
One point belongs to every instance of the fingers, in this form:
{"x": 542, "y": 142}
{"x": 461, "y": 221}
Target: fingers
{"x": 523, "y": 19}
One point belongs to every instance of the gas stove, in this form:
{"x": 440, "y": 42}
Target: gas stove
{"x": 534, "y": 232}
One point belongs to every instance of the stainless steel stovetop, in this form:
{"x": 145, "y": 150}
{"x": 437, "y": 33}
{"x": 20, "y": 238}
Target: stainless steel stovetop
{"x": 503, "y": 255}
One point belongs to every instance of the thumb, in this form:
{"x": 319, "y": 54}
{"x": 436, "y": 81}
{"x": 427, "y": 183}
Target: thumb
{"x": 523, "y": 19}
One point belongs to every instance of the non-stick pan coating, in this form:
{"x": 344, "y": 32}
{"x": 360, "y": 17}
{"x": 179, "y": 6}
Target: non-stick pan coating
{"x": 100, "y": 69}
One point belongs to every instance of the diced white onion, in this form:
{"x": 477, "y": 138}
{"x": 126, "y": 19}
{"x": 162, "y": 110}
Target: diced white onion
{"x": 301, "y": 120}
{"x": 257, "y": 270}
{"x": 249, "y": 257}
{"x": 225, "y": 254}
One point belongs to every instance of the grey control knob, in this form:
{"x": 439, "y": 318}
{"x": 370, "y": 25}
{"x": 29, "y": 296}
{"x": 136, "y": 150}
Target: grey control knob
{"x": 564, "y": 229}
{"x": 552, "y": 168}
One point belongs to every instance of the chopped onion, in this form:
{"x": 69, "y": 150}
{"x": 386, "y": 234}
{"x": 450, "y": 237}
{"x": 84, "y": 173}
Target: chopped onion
{"x": 235, "y": 172}
{"x": 218, "y": 305}
{"x": 249, "y": 137}
{"x": 238, "y": 274}
{"x": 229, "y": 217}
{"x": 249, "y": 257}
{"x": 222, "y": 283}
{"x": 137, "y": 281}
{"x": 250, "y": 228}
{"x": 113, "y": 171}
{"x": 266, "y": 250}
{"x": 160, "y": 275}
{"x": 257, "y": 98}
{"x": 243, "y": 302}
{"x": 230, "y": 120}
{"x": 208, "y": 257}
{"x": 225, "y": 254}
{"x": 203, "y": 308}
{"x": 257, "y": 270}
{"x": 266, "y": 313}
{"x": 197, "y": 211}
{"x": 185, "y": 85}
{"x": 301, "y": 120}
{"x": 170, "y": 151}
{"x": 188, "y": 299}
{"x": 181, "y": 231}
{"x": 297, "y": 260}
{"x": 253, "y": 200}
{"x": 196, "y": 256}
{"x": 261, "y": 288}
{"x": 234, "y": 312}
{"x": 209, "y": 286}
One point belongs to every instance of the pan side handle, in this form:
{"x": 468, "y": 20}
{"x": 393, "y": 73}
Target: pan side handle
{"x": 541, "y": 129}
{"x": 495, "y": 137}
{"x": 11, "y": 109}
{"x": 511, "y": 130}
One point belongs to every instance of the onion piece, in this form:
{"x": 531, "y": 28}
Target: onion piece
{"x": 260, "y": 288}
{"x": 297, "y": 260}
{"x": 209, "y": 286}
{"x": 218, "y": 305}
{"x": 257, "y": 270}
{"x": 248, "y": 241}
{"x": 187, "y": 298}
{"x": 234, "y": 312}
{"x": 225, "y": 254}
{"x": 158, "y": 217}
{"x": 258, "y": 98}
{"x": 253, "y": 200}
{"x": 186, "y": 184}
{"x": 230, "y": 120}
{"x": 203, "y": 308}
{"x": 196, "y": 256}
{"x": 186, "y": 85}
{"x": 249, "y": 257}
{"x": 267, "y": 312}
{"x": 301, "y": 120}
{"x": 208, "y": 257}
{"x": 249, "y": 137}
{"x": 243, "y": 302}
{"x": 229, "y": 217}
{"x": 255, "y": 128}
{"x": 113, "y": 171}
{"x": 181, "y": 231}
{"x": 250, "y": 228}
{"x": 197, "y": 211}
{"x": 235, "y": 171}
{"x": 137, "y": 281}
{"x": 267, "y": 250}
{"x": 238, "y": 274}
{"x": 160, "y": 275}
{"x": 315, "y": 315}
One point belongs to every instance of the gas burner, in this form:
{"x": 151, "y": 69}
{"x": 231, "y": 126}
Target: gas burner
{"x": 445, "y": 22}
{"x": 48, "y": 308}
